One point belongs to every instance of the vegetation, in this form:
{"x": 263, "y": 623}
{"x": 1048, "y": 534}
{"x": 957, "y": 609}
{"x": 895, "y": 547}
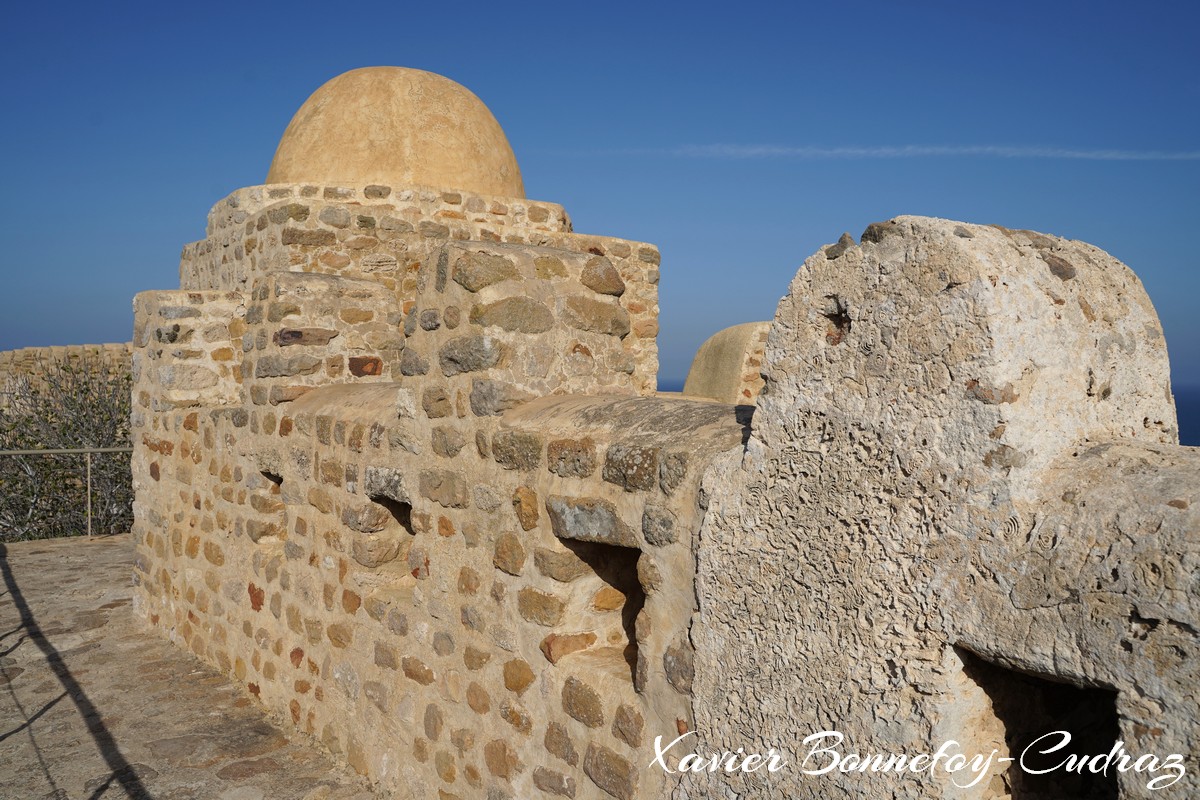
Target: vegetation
{"x": 67, "y": 404}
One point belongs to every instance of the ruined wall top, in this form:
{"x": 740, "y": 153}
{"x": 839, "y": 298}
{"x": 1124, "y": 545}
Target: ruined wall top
{"x": 399, "y": 127}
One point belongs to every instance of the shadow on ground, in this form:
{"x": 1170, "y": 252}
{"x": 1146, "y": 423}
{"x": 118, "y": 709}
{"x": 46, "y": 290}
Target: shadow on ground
{"x": 93, "y": 705}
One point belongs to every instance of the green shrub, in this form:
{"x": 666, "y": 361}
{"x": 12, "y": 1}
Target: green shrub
{"x": 66, "y": 404}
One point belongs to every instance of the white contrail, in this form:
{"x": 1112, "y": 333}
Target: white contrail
{"x": 813, "y": 152}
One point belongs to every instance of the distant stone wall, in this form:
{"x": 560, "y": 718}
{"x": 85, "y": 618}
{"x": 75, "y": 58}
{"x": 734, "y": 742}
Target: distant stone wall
{"x": 28, "y": 361}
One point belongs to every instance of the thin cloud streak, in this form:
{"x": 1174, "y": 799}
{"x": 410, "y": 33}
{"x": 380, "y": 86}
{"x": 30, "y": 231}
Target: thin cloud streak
{"x": 815, "y": 153}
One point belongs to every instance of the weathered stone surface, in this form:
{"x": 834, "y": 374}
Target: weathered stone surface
{"x": 563, "y": 566}
{"x": 337, "y": 216}
{"x": 308, "y": 237}
{"x": 304, "y": 336}
{"x": 553, "y": 782}
{"x": 525, "y": 504}
{"x": 517, "y": 450}
{"x": 518, "y": 314}
{"x": 582, "y": 702}
{"x": 475, "y": 271}
{"x": 572, "y": 457}
{"x": 517, "y": 676}
{"x": 436, "y": 403}
{"x": 539, "y": 607}
{"x": 385, "y": 482}
{"x": 1011, "y": 388}
{"x": 628, "y": 725}
{"x": 600, "y": 276}
{"x": 489, "y": 398}
{"x": 658, "y": 525}
{"x": 556, "y": 646}
{"x": 611, "y": 772}
{"x": 502, "y": 761}
{"x": 279, "y": 367}
{"x": 447, "y": 442}
{"x": 412, "y": 363}
{"x": 469, "y": 354}
{"x": 548, "y": 267}
{"x": 510, "y": 554}
{"x": 609, "y": 599}
{"x": 632, "y": 467}
{"x": 558, "y": 743}
{"x": 598, "y": 316}
{"x": 416, "y": 669}
{"x": 448, "y": 489}
{"x": 361, "y": 366}
{"x": 679, "y": 667}
{"x": 588, "y": 519}
{"x": 373, "y": 550}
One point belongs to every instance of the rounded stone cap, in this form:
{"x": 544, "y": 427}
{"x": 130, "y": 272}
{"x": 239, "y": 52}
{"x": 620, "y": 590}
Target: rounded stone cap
{"x": 397, "y": 127}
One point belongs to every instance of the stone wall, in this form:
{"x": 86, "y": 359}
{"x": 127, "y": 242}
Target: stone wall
{"x": 28, "y": 362}
{"x": 963, "y": 488}
{"x": 441, "y": 523}
{"x": 384, "y": 236}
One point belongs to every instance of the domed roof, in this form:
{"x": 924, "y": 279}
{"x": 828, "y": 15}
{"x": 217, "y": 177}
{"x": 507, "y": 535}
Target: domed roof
{"x": 398, "y": 127}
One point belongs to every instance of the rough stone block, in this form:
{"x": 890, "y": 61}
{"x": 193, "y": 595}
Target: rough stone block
{"x": 589, "y": 519}
{"x": 611, "y": 772}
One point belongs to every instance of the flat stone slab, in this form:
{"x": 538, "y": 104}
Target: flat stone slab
{"x": 94, "y": 705}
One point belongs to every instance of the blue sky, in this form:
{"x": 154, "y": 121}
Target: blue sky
{"x": 738, "y": 140}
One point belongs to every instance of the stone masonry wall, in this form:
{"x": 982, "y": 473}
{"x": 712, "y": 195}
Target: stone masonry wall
{"x": 384, "y": 237}
{"x": 963, "y": 475}
{"x": 453, "y": 541}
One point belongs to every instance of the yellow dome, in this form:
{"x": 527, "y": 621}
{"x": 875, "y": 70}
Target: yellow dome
{"x": 397, "y": 127}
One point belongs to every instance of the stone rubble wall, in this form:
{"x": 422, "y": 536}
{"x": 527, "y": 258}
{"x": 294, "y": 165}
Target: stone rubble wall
{"x": 966, "y": 446}
{"x": 28, "y": 362}
{"x": 454, "y": 542}
{"x": 384, "y": 238}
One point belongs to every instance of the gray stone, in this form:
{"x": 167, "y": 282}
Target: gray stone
{"x": 337, "y": 216}
{"x": 411, "y": 363}
{"x": 611, "y": 772}
{"x": 658, "y": 525}
{"x": 469, "y": 354}
{"x": 588, "y": 519}
{"x": 518, "y": 314}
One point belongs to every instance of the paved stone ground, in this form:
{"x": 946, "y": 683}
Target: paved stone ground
{"x": 93, "y": 705}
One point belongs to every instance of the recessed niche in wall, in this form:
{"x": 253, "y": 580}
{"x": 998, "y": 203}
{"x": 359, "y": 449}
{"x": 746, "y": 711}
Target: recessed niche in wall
{"x": 400, "y": 511}
{"x": 613, "y": 599}
{"x": 1028, "y": 708}
{"x": 270, "y": 526}
{"x": 386, "y": 545}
